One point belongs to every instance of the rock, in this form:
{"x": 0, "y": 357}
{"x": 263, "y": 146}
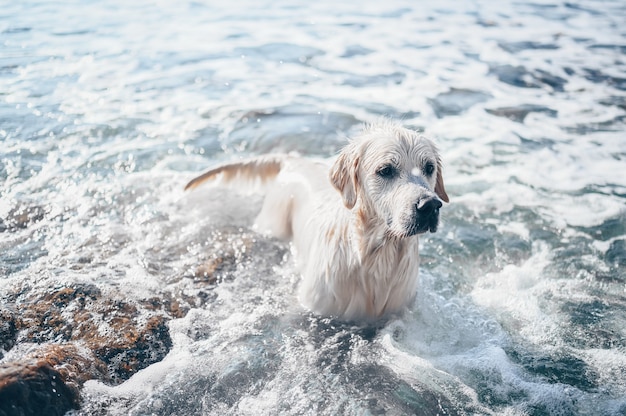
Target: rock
{"x": 135, "y": 348}
{"x": 75, "y": 364}
{"x": 34, "y": 388}
{"x": 48, "y": 380}
{"x": 120, "y": 334}
{"x": 76, "y": 333}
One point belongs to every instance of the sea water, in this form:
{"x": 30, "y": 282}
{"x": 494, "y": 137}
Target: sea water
{"x": 107, "y": 109}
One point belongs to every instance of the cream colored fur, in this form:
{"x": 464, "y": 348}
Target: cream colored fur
{"x": 354, "y": 228}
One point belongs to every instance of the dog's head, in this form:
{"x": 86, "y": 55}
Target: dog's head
{"x": 393, "y": 175}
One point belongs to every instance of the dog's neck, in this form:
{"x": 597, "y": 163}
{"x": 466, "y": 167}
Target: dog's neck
{"x": 372, "y": 234}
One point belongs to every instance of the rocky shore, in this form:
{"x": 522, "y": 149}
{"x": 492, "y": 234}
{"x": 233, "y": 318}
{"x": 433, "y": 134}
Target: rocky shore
{"x": 54, "y": 338}
{"x": 57, "y": 341}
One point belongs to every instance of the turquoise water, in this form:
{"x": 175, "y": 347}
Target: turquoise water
{"x": 108, "y": 108}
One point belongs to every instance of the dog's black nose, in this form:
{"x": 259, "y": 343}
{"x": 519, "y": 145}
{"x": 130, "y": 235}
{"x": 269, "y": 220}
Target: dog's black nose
{"x": 428, "y": 206}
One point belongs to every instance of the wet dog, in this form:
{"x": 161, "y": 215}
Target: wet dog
{"x": 355, "y": 224}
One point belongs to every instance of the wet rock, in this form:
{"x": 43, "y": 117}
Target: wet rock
{"x": 519, "y": 113}
{"x": 47, "y": 380}
{"x": 166, "y": 302}
{"x": 42, "y": 317}
{"x": 75, "y": 363}
{"x": 456, "y": 101}
{"x": 34, "y": 388}
{"x": 120, "y": 334}
{"x": 135, "y": 347}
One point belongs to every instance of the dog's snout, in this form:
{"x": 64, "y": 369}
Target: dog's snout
{"x": 430, "y": 205}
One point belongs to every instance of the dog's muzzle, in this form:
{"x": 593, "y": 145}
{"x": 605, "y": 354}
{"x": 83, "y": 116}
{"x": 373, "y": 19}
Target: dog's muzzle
{"x": 426, "y": 215}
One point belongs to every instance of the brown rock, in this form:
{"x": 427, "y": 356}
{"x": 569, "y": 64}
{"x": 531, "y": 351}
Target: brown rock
{"x": 34, "y": 388}
{"x": 114, "y": 330}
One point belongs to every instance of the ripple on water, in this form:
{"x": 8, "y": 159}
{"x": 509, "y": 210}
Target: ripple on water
{"x": 306, "y": 130}
{"x": 457, "y": 101}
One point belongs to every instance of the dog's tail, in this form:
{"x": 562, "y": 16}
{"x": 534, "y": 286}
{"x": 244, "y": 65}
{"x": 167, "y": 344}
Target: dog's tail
{"x": 258, "y": 169}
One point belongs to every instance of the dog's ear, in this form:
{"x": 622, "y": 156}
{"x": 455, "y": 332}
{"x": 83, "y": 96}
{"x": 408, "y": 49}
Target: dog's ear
{"x": 343, "y": 175}
{"x": 440, "y": 189}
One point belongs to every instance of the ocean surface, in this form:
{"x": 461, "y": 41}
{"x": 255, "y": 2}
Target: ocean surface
{"x": 108, "y": 108}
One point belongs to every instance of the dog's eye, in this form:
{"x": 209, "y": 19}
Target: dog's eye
{"x": 386, "y": 172}
{"x": 429, "y": 169}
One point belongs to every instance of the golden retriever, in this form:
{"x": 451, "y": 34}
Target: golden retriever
{"x": 354, "y": 226}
